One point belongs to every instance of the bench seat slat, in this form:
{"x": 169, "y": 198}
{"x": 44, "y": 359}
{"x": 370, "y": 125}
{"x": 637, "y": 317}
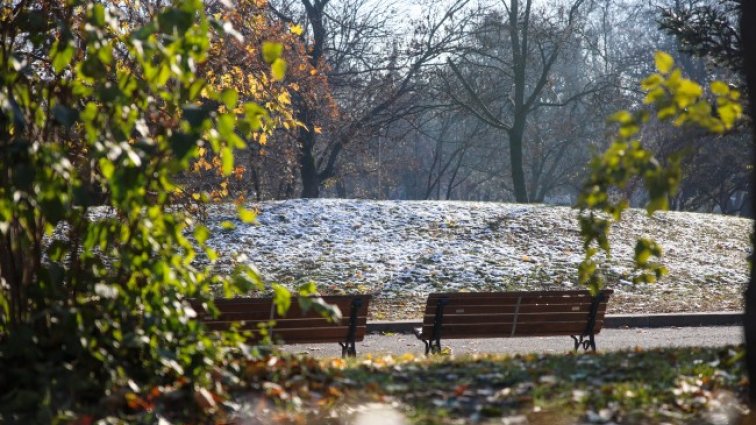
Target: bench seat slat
{"x": 249, "y": 305}
{"x": 298, "y": 335}
{"x": 294, "y": 336}
{"x": 510, "y": 309}
{"x": 515, "y": 294}
{"x": 453, "y": 319}
{"x": 507, "y": 301}
{"x": 498, "y": 330}
{"x": 265, "y": 315}
{"x": 291, "y": 323}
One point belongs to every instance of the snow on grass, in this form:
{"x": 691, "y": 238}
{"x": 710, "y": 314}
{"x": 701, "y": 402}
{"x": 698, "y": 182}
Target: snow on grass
{"x": 402, "y": 250}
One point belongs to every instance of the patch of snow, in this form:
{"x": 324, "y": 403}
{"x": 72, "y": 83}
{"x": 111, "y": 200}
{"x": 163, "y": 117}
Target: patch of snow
{"x": 412, "y": 248}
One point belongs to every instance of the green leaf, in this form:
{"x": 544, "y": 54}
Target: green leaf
{"x": 228, "y": 96}
{"x": 107, "y": 168}
{"x": 212, "y": 254}
{"x": 201, "y": 233}
{"x": 281, "y": 298}
{"x": 254, "y": 115}
{"x": 98, "y": 15}
{"x": 271, "y": 51}
{"x": 196, "y": 88}
{"x": 278, "y": 69}
{"x": 307, "y": 289}
{"x": 227, "y": 160}
{"x": 61, "y": 55}
{"x": 226, "y": 124}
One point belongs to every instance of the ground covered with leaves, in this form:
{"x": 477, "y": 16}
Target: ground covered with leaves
{"x": 671, "y": 386}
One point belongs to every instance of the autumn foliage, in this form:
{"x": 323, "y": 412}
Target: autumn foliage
{"x": 237, "y": 61}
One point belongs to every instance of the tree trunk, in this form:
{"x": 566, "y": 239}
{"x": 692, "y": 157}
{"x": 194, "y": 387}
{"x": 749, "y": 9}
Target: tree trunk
{"x": 515, "y": 161}
{"x": 748, "y": 37}
{"x": 307, "y": 168}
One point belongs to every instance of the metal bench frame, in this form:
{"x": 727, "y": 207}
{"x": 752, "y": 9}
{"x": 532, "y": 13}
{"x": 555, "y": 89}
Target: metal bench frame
{"x": 585, "y": 340}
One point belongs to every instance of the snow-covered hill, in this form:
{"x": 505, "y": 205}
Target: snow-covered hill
{"x": 402, "y": 250}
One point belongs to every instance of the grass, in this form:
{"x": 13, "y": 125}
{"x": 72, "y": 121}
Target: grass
{"x": 673, "y": 386}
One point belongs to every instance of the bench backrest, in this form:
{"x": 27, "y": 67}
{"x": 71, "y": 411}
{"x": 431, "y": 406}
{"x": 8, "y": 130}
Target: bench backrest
{"x": 510, "y": 314}
{"x": 296, "y": 326}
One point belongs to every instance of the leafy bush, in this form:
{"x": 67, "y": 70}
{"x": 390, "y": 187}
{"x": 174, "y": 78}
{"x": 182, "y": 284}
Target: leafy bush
{"x": 98, "y": 118}
{"x": 669, "y": 98}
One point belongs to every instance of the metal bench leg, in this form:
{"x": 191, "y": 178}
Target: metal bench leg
{"x": 432, "y": 346}
{"x": 585, "y": 341}
{"x": 348, "y": 349}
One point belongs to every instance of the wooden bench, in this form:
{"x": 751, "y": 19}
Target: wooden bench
{"x": 512, "y": 314}
{"x": 296, "y": 326}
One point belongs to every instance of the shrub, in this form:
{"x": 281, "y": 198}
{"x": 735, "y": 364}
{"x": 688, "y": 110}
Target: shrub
{"x": 98, "y": 118}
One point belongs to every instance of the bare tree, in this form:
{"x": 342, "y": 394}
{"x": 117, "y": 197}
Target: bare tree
{"x": 371, "y": 72}
{"x": 521, "y": 49}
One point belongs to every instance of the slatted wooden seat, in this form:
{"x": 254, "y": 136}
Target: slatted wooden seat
{"x": 296, "y": 326}
{"x": 512, "y": 314}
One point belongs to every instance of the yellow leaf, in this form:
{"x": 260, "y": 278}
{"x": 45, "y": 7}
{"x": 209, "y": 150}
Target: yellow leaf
{"x": 654, "y": 96}
{"x": 719, "y": 88}
{"x": 284, "y": 98}
{"x": 317, "y": 130}
{"x": 729, "y": 113}
{"x": 651, "y": 82}
{"x": 689, "y": 88}
{"x": 245, "y": 215}
{"x": 628, "y": 130}
{"x": 664, "y": 62}
{"x": 667, "y": 112}
{"x": 296, "y": 29}
{"x": 621, "y": 117}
